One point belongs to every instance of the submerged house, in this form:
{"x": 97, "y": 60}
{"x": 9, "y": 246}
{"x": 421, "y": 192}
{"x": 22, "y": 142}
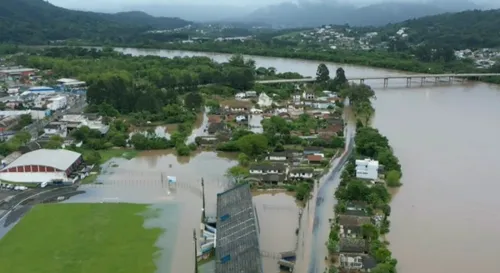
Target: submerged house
{"x": 367, "y": 169}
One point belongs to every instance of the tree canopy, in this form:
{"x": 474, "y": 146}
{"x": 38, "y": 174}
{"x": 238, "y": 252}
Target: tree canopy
{"x": 39, "y": 22}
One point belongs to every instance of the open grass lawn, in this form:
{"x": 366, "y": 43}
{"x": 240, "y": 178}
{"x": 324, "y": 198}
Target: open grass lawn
{"x": 80, "y": 238}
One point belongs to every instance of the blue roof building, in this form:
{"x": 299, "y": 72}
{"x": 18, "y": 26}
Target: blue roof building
{"x": 42, "y": 89}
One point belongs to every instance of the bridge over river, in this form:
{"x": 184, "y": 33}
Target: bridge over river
{"x": 424, "y": 78}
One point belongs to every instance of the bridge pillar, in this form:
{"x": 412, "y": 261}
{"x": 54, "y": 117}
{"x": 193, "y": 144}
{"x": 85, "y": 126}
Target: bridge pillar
{"x": 361, "y": 81}
{"x": 436, "y": 80}
{"x": 450, "y": 79}
{"x": 422, "y": 81}
{"x": 408, "y": 82}
{"x": 386, "y": 82}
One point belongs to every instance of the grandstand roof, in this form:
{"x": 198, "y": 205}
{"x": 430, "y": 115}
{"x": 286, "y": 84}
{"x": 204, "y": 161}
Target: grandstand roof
{"x": 237, "y": 233}
{"x": 59, "y": 159}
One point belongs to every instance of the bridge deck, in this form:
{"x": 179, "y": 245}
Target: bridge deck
{"x": 401, "y": 76}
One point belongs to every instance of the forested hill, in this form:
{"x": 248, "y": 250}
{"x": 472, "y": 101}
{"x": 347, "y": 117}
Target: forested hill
{"x": 462, "y": 30}
{"x": 37, "y": 22}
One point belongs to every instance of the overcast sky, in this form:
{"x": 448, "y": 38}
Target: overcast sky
{"x": 117, "y": 4}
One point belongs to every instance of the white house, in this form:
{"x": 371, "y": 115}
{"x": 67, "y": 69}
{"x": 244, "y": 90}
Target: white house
{"x": 240, "y": 96}
{"x": 296, "y": 99}
{"x": 57, "y": 103}
{"x": 241, "y": 118}
{"x": 251, "y": 94}
{"x": 277, "y": 168}
{"x": 301, "y": 173}
{"x": 56, "y": 128}
{"x": 280, "y": 111}
{"x": 13, "y": 91}
{"x": 277, "y": 156}
{"x": 264, "y": 100}
{"x": 308, "y": 95}
{"x": 256, "y": 111}
{"x": 367, "y": 169}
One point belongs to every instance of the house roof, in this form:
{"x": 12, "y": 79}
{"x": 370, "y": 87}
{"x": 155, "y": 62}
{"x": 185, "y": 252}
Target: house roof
{"x": 353, "y": 220}
{"x": 278, "y": 154}
{"x": 369, "y": 262}
{"x": 361, "y": 212}
{"x": 315, "y": 158}
{"x": 314, "y": 149}
{"x": 235, "y": 104}
{"x": 214, "y": 118}
{"x": 354, "y": 229}
{"x": 268, "y": 167}
{"x": 352, "y": 245}
{"x": 356, "y": 204}
{"x": 214, "y": 127}
{"x": 302, "y": 170}
{"x": 270, "y": 177}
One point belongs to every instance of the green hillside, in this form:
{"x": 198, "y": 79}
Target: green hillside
{"x": 38, "y": 22}
{"x": 468, "y": 29}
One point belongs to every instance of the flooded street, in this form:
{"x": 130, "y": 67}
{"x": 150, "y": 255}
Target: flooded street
{"x": 278, "y": 216}
{"x": 255, "y": 124}
{"x": 445, "y": 137}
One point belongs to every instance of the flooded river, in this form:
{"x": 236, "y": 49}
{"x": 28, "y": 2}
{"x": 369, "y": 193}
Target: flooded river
{"x": 445, "y": 216}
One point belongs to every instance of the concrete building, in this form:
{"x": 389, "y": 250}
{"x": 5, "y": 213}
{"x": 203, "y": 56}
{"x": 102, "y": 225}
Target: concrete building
{"x": 76, "y": 121}
{"x": 17, "y": 72}
{"x": 42, "y": 166}
{"x": 57, "y": 103}
{"x": 367, "y": 169}
{"x": 56, "y": 128}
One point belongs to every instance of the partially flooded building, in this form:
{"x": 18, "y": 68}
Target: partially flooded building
{"x": 237, "y": 242}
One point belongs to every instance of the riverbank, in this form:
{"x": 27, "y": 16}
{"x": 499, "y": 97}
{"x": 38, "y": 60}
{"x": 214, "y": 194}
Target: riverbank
{"x": 362, "y": 211}
{"x": 393, "y": 61}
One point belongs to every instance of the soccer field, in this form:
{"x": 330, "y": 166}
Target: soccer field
{"x": 81, "y": 238}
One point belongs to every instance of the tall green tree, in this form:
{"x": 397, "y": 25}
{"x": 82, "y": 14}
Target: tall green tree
{"x": 322, "y": 73}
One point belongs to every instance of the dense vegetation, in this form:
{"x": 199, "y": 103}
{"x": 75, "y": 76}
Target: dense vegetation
{"x": 142, "y": 90}
{"x": 39, "y": 22}
{"x": 468, "y": 29}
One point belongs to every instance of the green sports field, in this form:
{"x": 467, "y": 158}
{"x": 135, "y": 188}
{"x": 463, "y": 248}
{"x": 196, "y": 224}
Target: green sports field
{"x": 80, "y": 238}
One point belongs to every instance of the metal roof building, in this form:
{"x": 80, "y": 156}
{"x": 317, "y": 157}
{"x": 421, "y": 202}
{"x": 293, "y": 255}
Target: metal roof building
{"x": 237, "y": 240}
{"x": 42, "y": 165}
{"x": 42, "y": 89}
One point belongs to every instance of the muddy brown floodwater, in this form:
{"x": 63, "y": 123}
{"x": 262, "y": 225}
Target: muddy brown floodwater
{"x": 445, "y": 217}
{"x": 278, "y": 218}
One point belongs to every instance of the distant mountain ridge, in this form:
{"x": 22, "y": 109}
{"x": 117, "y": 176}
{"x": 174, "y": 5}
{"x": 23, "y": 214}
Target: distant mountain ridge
{"x": 310, "y": 14}
{"x": 37, "y": 21}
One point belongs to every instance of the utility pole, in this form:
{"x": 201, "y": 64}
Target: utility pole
{"x": 195, "y": 252}
{"x": 203, "y": 200}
